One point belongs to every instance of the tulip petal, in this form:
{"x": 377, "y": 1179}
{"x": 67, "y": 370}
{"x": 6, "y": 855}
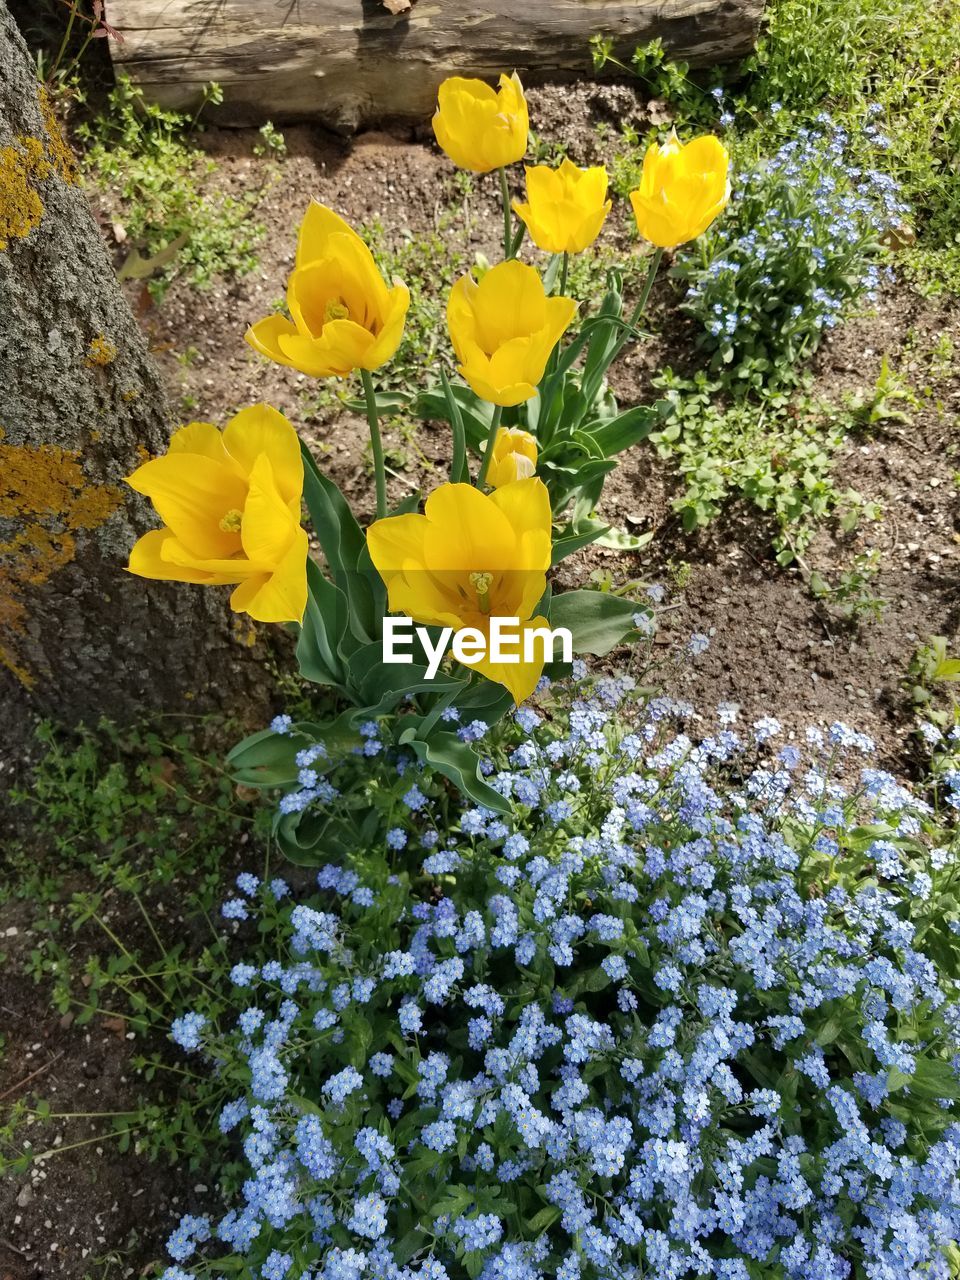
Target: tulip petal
{"x": 466, "y": 531}
{"x": 282, "y": 595}
{"x": 261, "y": 429}
{"x": 397, "y": 549}
{"x": 521, "y": 360}
{"x": 428, "y": 598}
{"x": 451, "y": 90}
{"x": 559, "y": 313}
{"x": 480, "y": 382}
{"x": 192, "y": 494}
{"x": 348, "y": 278}
{"x": 265, "y": 334}
{"x": 590, "y": 227}
{"x": 342, "y": 348}
{"x": 268, "y": 527}
{"x": 520, "y": 678}
{"x": 199, "y": 437}
{"x": 220, "y": 572}
{"x": 396, "y": 543}
{"x": 390, "y": 336}
{"x": 146, "y": 560}
{"x": 318, "y": 225}
{"x": 465, "y": 114}
{"x": 509, "y": 303}
{"x": 460, "y": 315}
{"x": 526, "y": 506}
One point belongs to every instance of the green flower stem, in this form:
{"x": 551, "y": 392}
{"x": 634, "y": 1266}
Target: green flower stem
{"x": 64, "y": 42}
{"x": 642, "y": 304}
{"x": 554, "y": 358}
{"x": 507, "y": 217}
{"x": 488, "y": 447}
{"x": 376, "y": 443}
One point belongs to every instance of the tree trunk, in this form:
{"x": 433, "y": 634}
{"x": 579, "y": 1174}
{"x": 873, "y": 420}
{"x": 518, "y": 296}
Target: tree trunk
{"x": 351, "y": 63}
{"x": 80, "y": 405}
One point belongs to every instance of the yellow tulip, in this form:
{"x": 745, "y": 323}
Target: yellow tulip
{"x": 682, "y": 189}
{"x": 514, "y": 457}
{"x": 471, "y": 556}
{"x": 481, "y": 128}
{"x": 230, "y": 506}
{"x": 343, "y": 315}
{"x": 503, "y": 330}
{"x": 565, "y": 208}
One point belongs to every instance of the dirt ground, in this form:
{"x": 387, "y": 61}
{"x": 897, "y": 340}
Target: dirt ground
{"x": 774, "y": 649}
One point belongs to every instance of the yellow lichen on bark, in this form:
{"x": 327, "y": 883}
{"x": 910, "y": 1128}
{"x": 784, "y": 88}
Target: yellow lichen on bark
{"x": 24, "y": 165}
{"x": 58, "y": 149}
{"x": 47, "y": 496}
{"x": 100, "y": 352}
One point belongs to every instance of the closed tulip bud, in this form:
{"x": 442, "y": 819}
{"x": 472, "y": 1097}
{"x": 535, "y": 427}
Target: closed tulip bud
{"x": 344, "y": 317}
{"x": 503, "y": 330}
{"x": 514, "y": 457}
{"x": 682, "y": 189}
{"x": 481, "y": 128}
{"x": 230, "y": 505}
{"x": 565, "y": 207}
{"x": 471, "y": 557}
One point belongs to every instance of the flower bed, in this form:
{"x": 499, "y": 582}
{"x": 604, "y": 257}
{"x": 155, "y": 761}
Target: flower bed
{"x": 687, "y": 1010}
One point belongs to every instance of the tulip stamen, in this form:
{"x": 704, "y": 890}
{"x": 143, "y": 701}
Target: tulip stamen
{"x": 336, "y": 309}
{"x": 232, "y": 521}
{"x": 482, "y": 582}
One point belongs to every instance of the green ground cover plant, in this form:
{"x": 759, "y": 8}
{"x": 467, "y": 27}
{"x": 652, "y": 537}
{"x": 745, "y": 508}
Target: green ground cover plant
{"x": 889, "y": 72}
{"x": 842, "y": 127}
{"x": 131, "y": 832}
{"x": 172, "y": 220}
{"x": 776, "y": 452}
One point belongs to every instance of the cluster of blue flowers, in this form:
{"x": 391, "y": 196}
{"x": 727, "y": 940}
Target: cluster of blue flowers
{"x": 797, "y": 248}
{"x": 689, "y": 1011}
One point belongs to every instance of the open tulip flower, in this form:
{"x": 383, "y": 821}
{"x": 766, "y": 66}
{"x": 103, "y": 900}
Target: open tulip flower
{"x": 683, "y": 187}
{"x": 481, "y": 128}
{"x": 514, "y": 457}
{"x": 565, "y": 207}
{"x": 344, "y": 317}
{"x": 230, "y": 505}
{"x": 469, "y": 557}
{"x": 503, "y": 330}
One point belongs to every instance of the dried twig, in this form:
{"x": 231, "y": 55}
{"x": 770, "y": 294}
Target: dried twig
{"x": 32, "y": 1076}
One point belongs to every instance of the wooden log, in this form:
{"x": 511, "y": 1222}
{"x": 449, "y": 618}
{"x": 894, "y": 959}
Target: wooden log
{"x": 351, "y": 63}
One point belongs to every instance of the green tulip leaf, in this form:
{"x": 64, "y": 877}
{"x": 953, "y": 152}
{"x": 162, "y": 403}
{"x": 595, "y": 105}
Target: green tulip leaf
{"x": 458, "y": 761}
{"x": 597, "y": 621}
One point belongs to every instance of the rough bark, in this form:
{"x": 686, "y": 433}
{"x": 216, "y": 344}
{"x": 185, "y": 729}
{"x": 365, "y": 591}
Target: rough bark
{"x": 80, "y": 404}
{"x": 350, "y": 63}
